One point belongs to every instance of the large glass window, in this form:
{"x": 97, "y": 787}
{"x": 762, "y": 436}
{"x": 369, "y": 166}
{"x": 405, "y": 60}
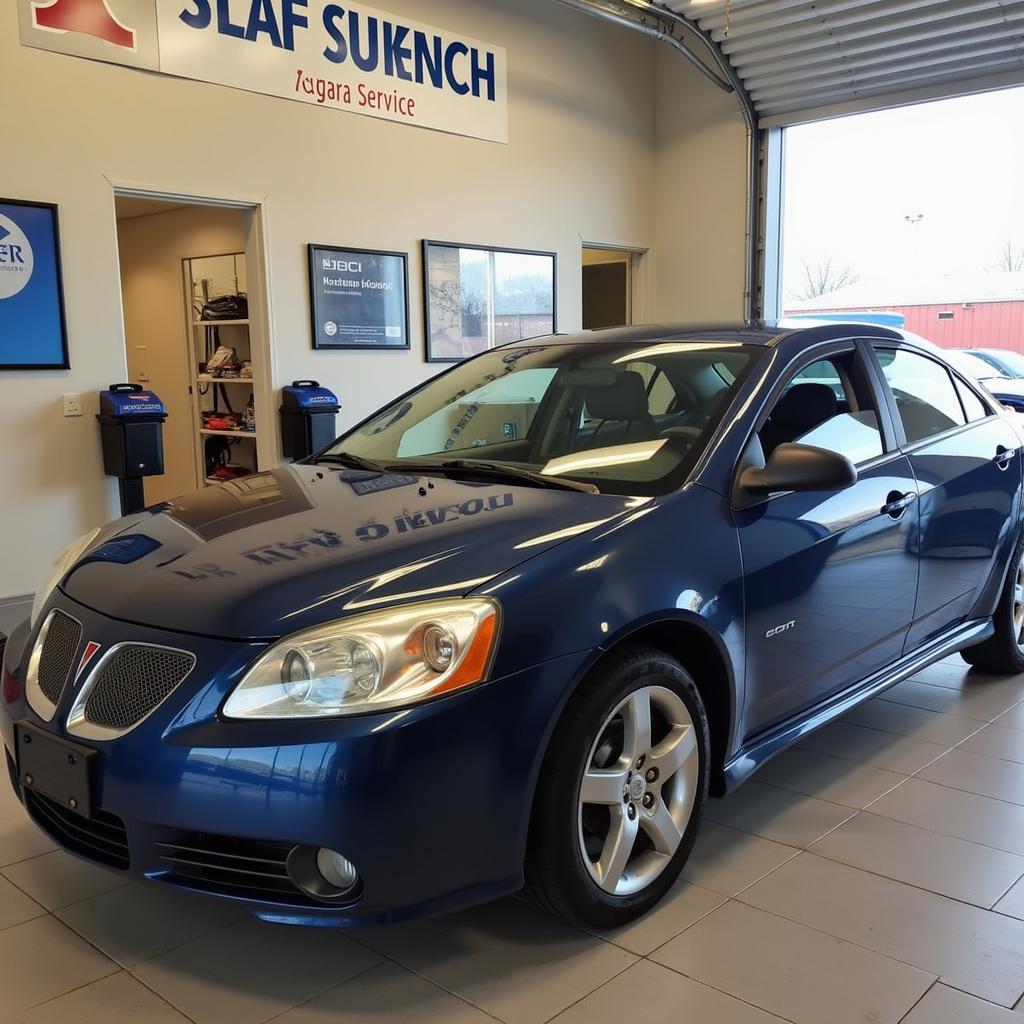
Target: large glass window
{"x": 925, "y": 396}
{"x": 626, "y": 420}
{"x": 479, "y": 298}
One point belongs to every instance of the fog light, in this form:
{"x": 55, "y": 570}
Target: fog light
{"x": 336, "y": 870}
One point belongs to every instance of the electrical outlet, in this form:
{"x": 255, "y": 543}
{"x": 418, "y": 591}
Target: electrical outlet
{"x": 73, "y": 405}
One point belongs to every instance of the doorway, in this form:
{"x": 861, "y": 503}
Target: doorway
{"x": 607, "y": 287}
{"x": 193, "y": 335}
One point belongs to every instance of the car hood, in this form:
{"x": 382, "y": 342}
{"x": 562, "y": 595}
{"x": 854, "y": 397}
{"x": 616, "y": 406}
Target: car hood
{"x": 276, "y": 552}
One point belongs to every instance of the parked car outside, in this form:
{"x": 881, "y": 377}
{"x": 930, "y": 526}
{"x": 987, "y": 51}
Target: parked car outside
{"x": 1005, "y": 362}
{"x": 517, "y": 626}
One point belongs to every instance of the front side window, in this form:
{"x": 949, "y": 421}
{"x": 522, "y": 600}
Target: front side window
{"x": 928, "y": 402}
{"x": 827, "y": 404}
{"x": 629, "y": 418}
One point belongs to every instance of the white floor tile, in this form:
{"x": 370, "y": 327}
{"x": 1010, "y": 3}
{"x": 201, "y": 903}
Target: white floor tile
{"x": 146, "y": 919}
{"x": 253, "y": 971}
{"x": 777, "y": 814}
{"x": 793, "y": 971}
{"x": 650, "y": 992}
{"x": 976, "y": 950}
{"x": 116, "y": 999}
{"x": 954, "y": 812}
{"x": 683, "y": 905}
{"x": 825, "y": 777}
{"x": 726, "y": 860}
{"x": 58, "y": 879}
{"x": 15, "y": 906}
{"x": 929, "y": 860}
{"x": 517, "y": 963}
{"x": 975, "y": 773}
{"x": 41, "y": 959}
{"x": 387, "y": 993}
{"x": 944, "y": 1005}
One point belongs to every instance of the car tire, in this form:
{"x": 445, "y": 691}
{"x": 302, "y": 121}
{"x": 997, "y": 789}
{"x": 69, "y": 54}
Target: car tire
{"x": 572, "y": 862}
{"x": 1003, "y": 652}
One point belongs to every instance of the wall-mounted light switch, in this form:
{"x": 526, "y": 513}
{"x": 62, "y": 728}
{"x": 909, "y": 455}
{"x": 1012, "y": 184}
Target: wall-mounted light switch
{"x": 73, "y": 405}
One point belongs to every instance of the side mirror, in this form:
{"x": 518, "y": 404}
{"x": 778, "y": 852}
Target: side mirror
{"x": 799, "y": 467}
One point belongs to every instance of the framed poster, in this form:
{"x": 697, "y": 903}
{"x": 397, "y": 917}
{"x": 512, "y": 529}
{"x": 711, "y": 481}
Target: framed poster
{"x": 359, "y": 298}
{"x": 33, "y": 330}
{"x": 478, "y": 297}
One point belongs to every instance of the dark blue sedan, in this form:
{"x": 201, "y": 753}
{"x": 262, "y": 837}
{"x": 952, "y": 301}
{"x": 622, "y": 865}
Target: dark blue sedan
{"x": 516, "y": 627}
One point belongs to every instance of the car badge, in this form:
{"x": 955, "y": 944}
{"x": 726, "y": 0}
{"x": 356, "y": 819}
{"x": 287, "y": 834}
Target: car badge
{"x": 87, "y": 655}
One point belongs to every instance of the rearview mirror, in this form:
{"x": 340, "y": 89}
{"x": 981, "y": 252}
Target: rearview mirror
{"x": 799, "y": 467}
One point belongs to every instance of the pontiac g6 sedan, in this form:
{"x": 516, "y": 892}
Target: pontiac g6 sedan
{"x": 516, "y": 627}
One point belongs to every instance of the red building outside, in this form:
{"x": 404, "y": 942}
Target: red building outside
{"x": 988, "y": 313}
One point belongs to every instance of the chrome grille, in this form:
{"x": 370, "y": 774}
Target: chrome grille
{"x": 131, "y": 682}
{"x": 251, "y": 868}
{"x": 63, "y": 635}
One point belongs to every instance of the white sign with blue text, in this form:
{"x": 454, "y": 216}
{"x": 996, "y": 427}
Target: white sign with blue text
{"x": 344, "y": 56}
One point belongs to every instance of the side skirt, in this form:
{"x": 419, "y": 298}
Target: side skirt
{"x": 765, "y": 746}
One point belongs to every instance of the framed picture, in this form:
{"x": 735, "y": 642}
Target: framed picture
{"x": 33, "y": 329}
{"x": 478, "y": 297}
{"x": 359, "y": 298}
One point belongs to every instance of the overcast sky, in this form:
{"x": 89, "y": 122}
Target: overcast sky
{"x": 851, "y": 182}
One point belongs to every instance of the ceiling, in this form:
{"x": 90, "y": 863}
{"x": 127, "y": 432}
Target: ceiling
{"x": 800, "y": 59}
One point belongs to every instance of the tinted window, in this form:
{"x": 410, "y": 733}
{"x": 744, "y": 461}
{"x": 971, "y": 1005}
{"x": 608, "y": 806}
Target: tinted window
{"x": 927, "y": 400}
{"x": 829, "y": 405}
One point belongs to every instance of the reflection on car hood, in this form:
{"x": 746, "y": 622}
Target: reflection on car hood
{"x": 276, "y": 552}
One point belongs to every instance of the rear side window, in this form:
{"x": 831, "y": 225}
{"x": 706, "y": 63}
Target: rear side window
{"x": 973, "y": 405}
{"x": 928, "y": 402}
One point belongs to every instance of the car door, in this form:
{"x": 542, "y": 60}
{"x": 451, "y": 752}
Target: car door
{"x": 830, "y": 577}
{"x": 968, "y": 470}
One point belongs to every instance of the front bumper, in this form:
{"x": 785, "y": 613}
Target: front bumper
{"x": 431, "y": 804}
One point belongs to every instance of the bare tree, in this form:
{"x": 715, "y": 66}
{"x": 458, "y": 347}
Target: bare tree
{"x": 825, "y": 276}
{"x": 1011, "y": 256}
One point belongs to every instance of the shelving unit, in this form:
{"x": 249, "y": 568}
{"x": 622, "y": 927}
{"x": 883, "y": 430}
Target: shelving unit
{"x": 207, "y": 278}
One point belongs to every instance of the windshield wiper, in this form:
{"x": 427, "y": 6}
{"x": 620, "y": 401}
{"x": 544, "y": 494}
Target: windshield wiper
{"x": 470, "y": 468}
{"x": 348, "y": 460}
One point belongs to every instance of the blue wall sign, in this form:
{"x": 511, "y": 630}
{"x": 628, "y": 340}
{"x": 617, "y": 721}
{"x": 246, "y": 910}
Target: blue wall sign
{"x": 359, "y": 298}
{"x": 33, "y": 333}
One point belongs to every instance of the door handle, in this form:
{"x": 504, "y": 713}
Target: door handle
{"x": 896, "y": 503}
{"x": 1004, "y": 456}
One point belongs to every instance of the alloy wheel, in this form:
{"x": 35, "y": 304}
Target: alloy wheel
{"x": 638, "y": 789}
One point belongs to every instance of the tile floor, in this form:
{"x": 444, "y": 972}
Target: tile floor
{"x": 874, "y": 874}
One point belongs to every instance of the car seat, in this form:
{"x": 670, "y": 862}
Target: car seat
{"x": 802, "y": 408}
{"x": 623, "y": 402}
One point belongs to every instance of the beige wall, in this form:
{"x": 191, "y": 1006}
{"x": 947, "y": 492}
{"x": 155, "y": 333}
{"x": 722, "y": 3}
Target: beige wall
{"x": 151, "y": 250}
{"x": 582, "y": 164}
{"x": 701, "y": 191}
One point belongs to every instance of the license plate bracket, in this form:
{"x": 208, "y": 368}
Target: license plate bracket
{"x": 55, "y": 767}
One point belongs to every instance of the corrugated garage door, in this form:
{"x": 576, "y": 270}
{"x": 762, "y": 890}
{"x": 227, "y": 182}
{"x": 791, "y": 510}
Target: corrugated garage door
{"x": 801, "y": 60}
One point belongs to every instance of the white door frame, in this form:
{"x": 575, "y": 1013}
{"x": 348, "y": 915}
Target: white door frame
{"x": 641, "y": 284}
{"x": 257, "y": 268}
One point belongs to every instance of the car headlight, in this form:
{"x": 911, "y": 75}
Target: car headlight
{"x": 63, "y": 562}
{"x": 371, "y": 662}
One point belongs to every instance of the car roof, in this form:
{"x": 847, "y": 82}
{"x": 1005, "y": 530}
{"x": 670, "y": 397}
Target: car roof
{"x": 767, "y": 333}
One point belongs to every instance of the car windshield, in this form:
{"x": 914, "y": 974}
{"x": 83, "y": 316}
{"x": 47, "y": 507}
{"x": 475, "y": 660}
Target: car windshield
{"x": 623, "y": 418}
